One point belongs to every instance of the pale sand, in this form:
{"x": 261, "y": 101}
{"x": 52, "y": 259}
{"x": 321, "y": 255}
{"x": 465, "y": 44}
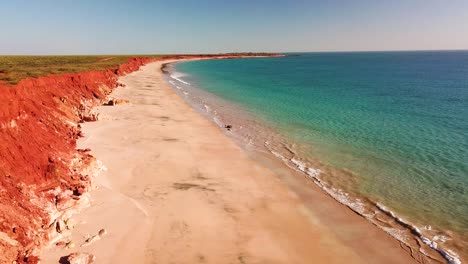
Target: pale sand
{"x": 178, "y": 190}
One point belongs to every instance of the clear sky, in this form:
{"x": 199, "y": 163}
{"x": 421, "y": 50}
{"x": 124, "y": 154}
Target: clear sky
{"x": 208, "y": 26}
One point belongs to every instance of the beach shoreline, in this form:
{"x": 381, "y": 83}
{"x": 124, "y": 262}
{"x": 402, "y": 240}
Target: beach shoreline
{"x": 181, "y": 182}
{"x": 257, "y": 136}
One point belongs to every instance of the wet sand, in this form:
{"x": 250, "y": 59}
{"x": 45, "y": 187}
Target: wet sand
{"x": 177, "y": 189}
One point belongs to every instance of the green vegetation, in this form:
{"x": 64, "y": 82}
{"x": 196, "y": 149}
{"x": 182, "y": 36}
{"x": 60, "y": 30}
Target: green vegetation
{"x": 15, "y": 68}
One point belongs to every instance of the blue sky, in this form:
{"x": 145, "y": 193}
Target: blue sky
{"x": 208, "y": 26}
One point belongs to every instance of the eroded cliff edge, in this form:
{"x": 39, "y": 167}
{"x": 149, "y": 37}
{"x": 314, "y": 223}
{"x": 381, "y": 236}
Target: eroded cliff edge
{"x": 42, "y": 174}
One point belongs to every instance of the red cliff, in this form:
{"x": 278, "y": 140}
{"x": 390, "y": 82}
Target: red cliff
{"x": 41, "y": 172}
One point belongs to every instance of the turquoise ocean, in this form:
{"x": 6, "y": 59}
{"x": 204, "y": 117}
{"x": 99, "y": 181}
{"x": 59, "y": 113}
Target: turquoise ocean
{"x": 385, "y": 133}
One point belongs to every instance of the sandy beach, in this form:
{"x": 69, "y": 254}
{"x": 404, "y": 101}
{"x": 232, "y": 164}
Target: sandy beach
{"x": 177, "y": 189}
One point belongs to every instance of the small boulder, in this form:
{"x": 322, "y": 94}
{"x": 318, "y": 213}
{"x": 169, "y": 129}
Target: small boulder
{"x": 60, "y": 226}
{"x": 102, "y": 232}
{"x": 117, "y": 102}
{"x": 70, "y": 244}
{"x": 70, "y": 224}
{"x": 80, "y": 258}
{"x": 90, "y": 118}
{"x": 61, "y": 244}
{"x": 121, "y": 101}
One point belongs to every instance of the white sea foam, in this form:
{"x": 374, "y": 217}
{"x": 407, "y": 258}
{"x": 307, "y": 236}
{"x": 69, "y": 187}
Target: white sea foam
{"x": 440, "y": 238}
{"x": 174, "y": 84}
{"x": 218, "y": 122}
{"x": 355, "y": 204}
{"x": 279, "y": 156}
{"x": 176, "y": 76}
{"x": 448, "y": 254}
{"x": 300, "y": 165}
{"x": 337, "y": 194}
{"x": 427, "y": 227}
{"x": 313, "y": 172}
{"x": 452, "y": 257}
{"x": 207, "y": 108}
{"x": 398, "y": 234}
{"x": 429, "y": 242}
{"x": 359, "y": 207}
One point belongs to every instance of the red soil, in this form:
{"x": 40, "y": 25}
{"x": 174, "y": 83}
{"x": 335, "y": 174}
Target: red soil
{"x": 38, "y": 159}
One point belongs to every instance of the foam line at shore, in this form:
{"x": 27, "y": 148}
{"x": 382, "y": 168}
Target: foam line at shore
{"x": 177, "y": 76}
{"x": 448, "y": 254}
{"x": 359, "y": 207}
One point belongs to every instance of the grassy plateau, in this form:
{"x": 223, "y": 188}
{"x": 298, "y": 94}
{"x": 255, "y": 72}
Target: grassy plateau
{"x": 15, "y": 68}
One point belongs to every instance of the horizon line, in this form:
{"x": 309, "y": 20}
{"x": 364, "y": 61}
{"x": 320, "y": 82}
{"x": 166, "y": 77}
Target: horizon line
{"x": 197, "y": 53}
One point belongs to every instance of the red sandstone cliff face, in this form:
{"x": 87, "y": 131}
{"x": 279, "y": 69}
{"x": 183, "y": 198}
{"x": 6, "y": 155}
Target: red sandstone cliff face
{"x": 41, "y": 172}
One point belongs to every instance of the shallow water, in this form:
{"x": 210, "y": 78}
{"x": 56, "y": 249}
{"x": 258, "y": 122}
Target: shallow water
{"x": 387, "y": 131}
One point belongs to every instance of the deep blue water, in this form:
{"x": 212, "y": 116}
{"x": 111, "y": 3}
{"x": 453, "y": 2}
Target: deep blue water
{"x": 396, "y": 120}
